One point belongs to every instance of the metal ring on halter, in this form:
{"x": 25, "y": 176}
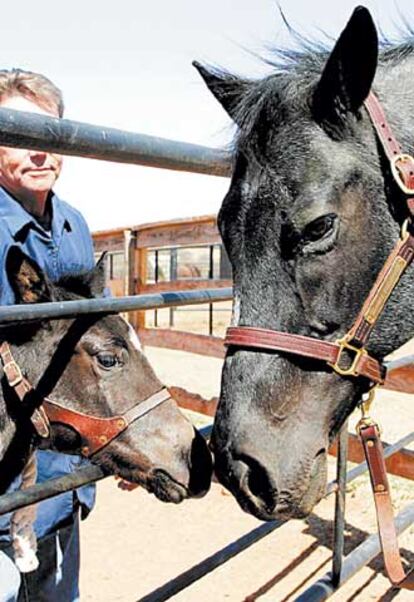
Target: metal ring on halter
{"x": 404, "y": 234}
{"x": 358, "y": 353}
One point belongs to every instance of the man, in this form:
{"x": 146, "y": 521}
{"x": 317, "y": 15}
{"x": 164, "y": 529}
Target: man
{"x": 57, "y": 237}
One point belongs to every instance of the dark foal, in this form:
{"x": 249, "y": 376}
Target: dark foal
{"x": 94, "y": 365}
{"x": 310, "y": 217}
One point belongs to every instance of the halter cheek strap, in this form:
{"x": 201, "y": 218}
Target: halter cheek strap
{"x": 95, "y": 432}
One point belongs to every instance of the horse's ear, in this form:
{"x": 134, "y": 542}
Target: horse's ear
{"x": 28, "y": 281}
{"x": 349, "y": 72}
{"x": 226, "y": 88}
{"x": 97, "y": 282}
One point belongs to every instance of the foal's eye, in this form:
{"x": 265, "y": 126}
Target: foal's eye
{"x": 319, "y": 228}
{"x": 107, "y": 360}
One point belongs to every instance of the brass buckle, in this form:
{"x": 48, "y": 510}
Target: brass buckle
{"x": 358, "y": 351}
{"x": 365, "y": 406}
{"x": 397, "y": 173}
{"x": 404, "y": 234}
{"x": 14, "y": 367}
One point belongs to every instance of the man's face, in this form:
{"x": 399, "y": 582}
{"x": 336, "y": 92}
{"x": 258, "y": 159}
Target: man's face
{"x": 27, "y": 172}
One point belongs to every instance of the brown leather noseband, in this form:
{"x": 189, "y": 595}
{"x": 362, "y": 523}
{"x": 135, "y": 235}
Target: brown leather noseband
{"x": 348, "y": 356}
{"x": 95, "y": 432}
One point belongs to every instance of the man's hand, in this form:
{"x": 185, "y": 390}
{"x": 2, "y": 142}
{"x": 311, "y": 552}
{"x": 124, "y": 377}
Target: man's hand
{"x": 125, "y": 485}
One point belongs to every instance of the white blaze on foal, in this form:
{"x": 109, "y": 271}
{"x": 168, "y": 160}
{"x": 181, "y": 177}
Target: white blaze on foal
{"x": 136, "y": 344}
{"x": 133, "y": 337}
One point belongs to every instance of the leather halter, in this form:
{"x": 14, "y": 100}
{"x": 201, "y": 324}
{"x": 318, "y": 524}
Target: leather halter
{"x": 347, "y": 356}
{"x": 95, "y": 432}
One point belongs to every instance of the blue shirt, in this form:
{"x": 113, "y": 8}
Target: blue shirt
{"x": 66, "y": 249}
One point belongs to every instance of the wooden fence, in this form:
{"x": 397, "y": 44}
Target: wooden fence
{"x": 145, "y": 259}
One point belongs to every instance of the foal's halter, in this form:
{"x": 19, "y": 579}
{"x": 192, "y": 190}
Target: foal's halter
{"x": 94, "y": 432}
{"x": 348, "y": 355}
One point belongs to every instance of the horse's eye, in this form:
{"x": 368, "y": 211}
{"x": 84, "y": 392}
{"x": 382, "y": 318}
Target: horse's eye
{"x": 319, "y": 228}
{"x": 107, "y": 360}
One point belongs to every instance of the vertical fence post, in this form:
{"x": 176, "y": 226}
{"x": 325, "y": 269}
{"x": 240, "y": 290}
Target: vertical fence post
{"x": 140, "y": 270}
{"x": 129, "y": 276}
{"x": 340, "y": 495}
{"x": 211, "y": 276}
{"x": 156, "y": 278}
{"x": 173, "y": 277}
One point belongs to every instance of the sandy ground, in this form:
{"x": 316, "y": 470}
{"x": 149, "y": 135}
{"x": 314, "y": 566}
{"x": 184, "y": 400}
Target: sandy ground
{"x": 132, "y": 543}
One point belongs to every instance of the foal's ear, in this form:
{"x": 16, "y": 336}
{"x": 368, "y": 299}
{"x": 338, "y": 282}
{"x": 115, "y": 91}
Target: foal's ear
{"x": 349, "y": 72}
{"x": 97, "y": 282}
{"x": 28, "y": 281}
{"x": 227, "y": 88}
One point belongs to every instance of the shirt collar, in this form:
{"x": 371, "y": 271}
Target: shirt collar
{"x": 17, "y": 218}
{"x": 60, "y": 220}
{"x": 13, "y": 213}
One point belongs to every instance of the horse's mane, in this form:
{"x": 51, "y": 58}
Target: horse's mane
{"x": 295, "y": 70}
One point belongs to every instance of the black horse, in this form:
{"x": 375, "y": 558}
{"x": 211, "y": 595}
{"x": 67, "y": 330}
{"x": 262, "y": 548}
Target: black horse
{"x": 310, "y": 217}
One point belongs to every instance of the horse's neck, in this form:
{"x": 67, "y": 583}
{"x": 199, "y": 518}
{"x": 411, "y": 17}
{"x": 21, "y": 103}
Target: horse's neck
{"x": 7, "y": 426}
{"x": 15, "y": 445}
{"x": 7, "y": 430}
{"x": 15, "y": 440}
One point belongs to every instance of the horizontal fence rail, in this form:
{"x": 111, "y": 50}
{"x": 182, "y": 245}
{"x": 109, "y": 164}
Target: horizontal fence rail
{"x": 9, "y": 502}
{"x": 30, "y": 130}
{"x": 108, "y": 305}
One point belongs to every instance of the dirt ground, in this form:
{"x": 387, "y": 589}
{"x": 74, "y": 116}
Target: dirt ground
{"x": 132, "y": 543}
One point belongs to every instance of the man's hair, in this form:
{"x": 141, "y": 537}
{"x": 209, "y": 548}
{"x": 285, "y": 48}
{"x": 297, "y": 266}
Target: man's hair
{"x": 33, "y": 86}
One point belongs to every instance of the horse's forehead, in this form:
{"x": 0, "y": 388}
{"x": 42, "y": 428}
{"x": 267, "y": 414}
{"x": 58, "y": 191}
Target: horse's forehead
{"x": 111, "y": 327}
{"x": 117, "y": 328}
{"x": 301, "y": 160}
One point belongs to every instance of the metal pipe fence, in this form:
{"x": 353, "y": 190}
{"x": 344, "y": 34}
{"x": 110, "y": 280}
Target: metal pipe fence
{"x": 30, "y": 130}
{"x": 111, "y": 305}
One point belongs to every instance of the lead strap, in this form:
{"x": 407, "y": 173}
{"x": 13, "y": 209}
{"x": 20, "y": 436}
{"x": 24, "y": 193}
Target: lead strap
{"x": 370, "y": 437}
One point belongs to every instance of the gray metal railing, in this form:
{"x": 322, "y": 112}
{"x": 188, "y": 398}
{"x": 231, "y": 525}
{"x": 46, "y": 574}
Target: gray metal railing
{"x": 30, "y": 130}
{"x": 110, "y": 305}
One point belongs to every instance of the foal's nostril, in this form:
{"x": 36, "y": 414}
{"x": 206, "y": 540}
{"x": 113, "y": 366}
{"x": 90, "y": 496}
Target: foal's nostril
{"x": 257, "y": 482}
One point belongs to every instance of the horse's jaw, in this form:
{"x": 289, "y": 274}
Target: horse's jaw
{"x": 173, "y": 466}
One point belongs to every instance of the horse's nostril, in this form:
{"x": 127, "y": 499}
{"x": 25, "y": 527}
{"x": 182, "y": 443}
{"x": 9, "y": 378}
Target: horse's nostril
{"x": 318, "y": 463}
{"x": 258, "y": 483}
